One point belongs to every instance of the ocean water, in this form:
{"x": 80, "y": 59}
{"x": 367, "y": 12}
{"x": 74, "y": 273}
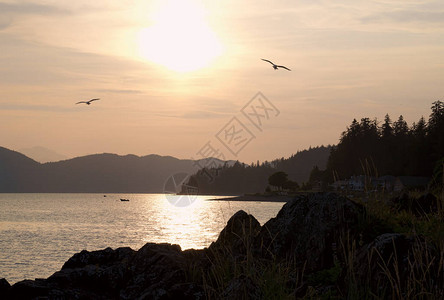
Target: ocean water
{"x": 39, "y": 232}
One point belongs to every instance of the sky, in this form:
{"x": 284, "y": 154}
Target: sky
{"x": 185, "y": 78}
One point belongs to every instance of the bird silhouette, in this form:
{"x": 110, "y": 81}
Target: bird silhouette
{"x": 276, "y": 66}
{"x": 89, "y": 101}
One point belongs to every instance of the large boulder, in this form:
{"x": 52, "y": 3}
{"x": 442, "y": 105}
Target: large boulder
{"x": 309, "y": 229}
{"x": 237, "y": 238}
{"x": 104, "y": 257}
{"x": 28, "y": 289}
{"x": 231, "y": 255}
{"x": 102, "y": 273}
{"x": 159, "y": 272}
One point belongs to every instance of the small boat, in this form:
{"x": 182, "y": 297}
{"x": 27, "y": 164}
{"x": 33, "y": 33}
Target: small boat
{"x": 122, "y": 199}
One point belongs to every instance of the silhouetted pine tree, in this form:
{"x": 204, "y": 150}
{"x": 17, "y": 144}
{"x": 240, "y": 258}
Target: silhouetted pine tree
{"x": 435, "y": 131}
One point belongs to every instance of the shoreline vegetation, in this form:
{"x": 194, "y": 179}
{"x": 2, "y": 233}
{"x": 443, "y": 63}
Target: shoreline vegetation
{"x": 320, "y": 245}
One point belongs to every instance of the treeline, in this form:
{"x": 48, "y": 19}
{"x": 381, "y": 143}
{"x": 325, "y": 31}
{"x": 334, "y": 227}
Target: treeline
{"x": 391, "y": 148}
{"x": 367, "y": 147}
{"x": 242, "y": 178}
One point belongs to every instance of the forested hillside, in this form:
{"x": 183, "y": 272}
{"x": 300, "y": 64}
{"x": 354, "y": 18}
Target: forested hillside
{"x": 241, "y": 178}
{"x": 368, "y": 147}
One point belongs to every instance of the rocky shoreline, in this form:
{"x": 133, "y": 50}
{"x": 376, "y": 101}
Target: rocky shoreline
{"x": 319, "y": 244}
{"x": 255, "y": 198}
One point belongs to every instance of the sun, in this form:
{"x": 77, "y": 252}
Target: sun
{"x": 180, "y": 38}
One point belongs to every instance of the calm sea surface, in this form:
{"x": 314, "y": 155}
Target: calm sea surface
{"x": 39, "y": 232}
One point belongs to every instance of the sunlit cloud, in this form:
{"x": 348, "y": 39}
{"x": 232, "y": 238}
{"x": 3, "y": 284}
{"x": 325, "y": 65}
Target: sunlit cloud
{"x": 407, "y": 16}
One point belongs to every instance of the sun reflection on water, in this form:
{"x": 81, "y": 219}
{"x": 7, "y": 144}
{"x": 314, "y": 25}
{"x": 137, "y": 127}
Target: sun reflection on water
{"x": 180, "y": 225}
{"x": 39, "y": 232}
{"x": 199, "y": 224}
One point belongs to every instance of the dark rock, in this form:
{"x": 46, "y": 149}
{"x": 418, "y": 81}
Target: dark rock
{"x": 4, "y": 286}
{"x": 156, "y": 268}
{"x": 100, "y": 257}
{"x": 29, "y": 289}
{"x": 156, "y": 271}
{"x": 102, "y": 273}
{"x": 308, "y": 229}
{"x": 238, "y": 235}
{"x": 235, "y": 247}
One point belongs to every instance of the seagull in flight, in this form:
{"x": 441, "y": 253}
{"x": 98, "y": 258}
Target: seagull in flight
{"x": 89, "y": 101}
{"x": 276, "y": 66}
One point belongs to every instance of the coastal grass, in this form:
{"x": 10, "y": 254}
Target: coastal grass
{"x": 379, "y": 209}
{"x": 251, "y": 278}
{"x": 422, "y": 277}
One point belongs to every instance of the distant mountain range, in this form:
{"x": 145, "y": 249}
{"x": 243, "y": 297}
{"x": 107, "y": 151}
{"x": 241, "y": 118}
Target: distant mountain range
{"x": 42, "y": 154}
{"x": 112, "y": 173}
{"x": 98, "y": 173}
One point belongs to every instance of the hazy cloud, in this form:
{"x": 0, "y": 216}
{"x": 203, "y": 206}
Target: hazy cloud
{"x": 29, "y": 8}
{"x": 31, "y": 107}
{"x": 36, "y": 64}
{"x": 117, "y": 91}
{"x": 5, "y": 21}
{"x": 222, "y": 106}
{"x": 198, "y": 114}
{"x": 407, "y": 16}
{"x": 202, "y": 115}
